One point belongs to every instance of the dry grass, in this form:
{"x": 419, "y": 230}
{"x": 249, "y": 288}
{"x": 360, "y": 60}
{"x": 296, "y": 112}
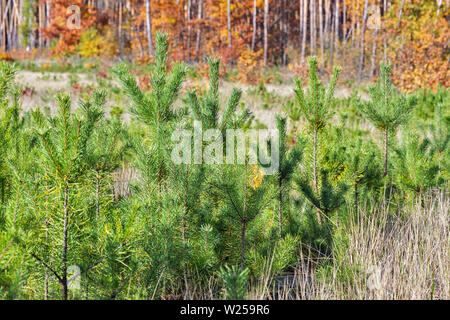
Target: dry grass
{"x": 386, "y": 257}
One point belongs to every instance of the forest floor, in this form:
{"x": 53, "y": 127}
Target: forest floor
{"x": 40, "y": 88}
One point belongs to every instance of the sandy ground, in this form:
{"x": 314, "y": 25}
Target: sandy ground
{"x": 42, "y": 88}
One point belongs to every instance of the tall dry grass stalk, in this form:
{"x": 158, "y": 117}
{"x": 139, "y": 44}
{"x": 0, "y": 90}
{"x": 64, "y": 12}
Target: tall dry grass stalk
{"x": 383, "y": 256}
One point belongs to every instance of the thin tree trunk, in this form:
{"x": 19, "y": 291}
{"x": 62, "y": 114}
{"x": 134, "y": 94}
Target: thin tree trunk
{"x": 148, "y": 16}
{"x": 300, "y": 24}
{"x": 385, "y": 33}
{"x": 189, "y": 5}
{"x": 336, "y": 28}
{"x": 313, "y": 31}
{"x": 386, "y": 135}
{"x": 120, "y": 36}
{"x": 315, "y": 159}
{"x": 229, "y": 23}
{"x": 97, "y": 195}
{"x": 400, "y": 13}
{"x": 280, "y": 206}
{"x": 243, "y": 230}
{"x": 183, "y": 233}
{"x": 254, "y": 25}
{"x": 266, "y": 25}
{"x": 356, "y": 198}
{"x": 321, "y": 26}
{"x": 374, "y": 53}
{"x": 305, "y": 27}
{"x": 46, "y": 271}
{"x": 438, "y": 10}
{"x": 199, "y": 30}
{"x": 327, "y": 19}
{"x": 332, "y": 42}
{"x": 344, "y": 20}
{"x": 41, "y": 24}
{"x": 47, "y": 6}
{"x": 363, "y": 40}
{"x": 65, "y": 239}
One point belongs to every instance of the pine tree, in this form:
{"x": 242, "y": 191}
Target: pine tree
{"x": 9, "y": 116}
{"x": 288, "y": 161}
{"x": 155, "y": 108}
{"x": 315, "y": 104}
{"x": 440, "y": 135}
{"x": 327, "y": 200}
{"x": 387, "y": 109}
{"x": 242, "y": 200}
{"x": 105, "y": 148}
{"x": 359, "y": 163}
{"x": 206, "y": 110}
{"x": 64, "y": 139}
{"x": 415, "y": 165}
{"x": 162, "y": 205}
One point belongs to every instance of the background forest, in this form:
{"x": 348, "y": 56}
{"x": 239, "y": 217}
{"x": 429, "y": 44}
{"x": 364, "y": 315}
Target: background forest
{"x": 92, "y": 206}
{"x": 248, "y": 34}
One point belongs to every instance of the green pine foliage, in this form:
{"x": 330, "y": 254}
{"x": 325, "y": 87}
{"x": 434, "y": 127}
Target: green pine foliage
{"x": 416, "y": 168}
{"x": 314, "y": 105}
{"x": 387, "y": 109}
{"x": 234, "y": 282}
{"x": 92, "y": 207}
{"x": 288, "y": 161}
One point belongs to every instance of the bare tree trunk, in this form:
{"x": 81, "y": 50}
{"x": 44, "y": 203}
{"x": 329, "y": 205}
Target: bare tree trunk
{"x": 300, "y": 22}
{"x": 266, "y": 26}
{"x": 148, "y": 17}
{"x": 344, "y": 20}
{"x": 321, "y": 26}
{"x": 336, "y": 28}
{"x": 189, "y": 5}
{"x": 41, "y": 24}
{"x": 197, "y": 40}
{"x": 400, "y": 13}
{"x": 254, "y": 25}
{"x": 384, "y": 28}
{"x": 327, "y": 19}
{"x": 313, "y": 30}
{"x": 305, "y": 27}
{"x": 374, "y": 54}
{"x": 120, "y": 28}
{"x": 363, "y": 40}
{"x": 47, "y": 5}
{"x": 283, "y": 33}
{"x": 438, "y": 11}
{"x": 229, "y": 23}
{"x": 332, "y": 42}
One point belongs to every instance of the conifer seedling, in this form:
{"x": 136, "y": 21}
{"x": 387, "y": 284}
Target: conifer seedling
{"x": 387, "y": 109}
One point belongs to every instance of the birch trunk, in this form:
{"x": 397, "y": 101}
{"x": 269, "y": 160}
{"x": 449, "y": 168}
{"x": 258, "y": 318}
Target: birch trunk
{"x": 148, "y": 18}
{"x": 266, "y": 26}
